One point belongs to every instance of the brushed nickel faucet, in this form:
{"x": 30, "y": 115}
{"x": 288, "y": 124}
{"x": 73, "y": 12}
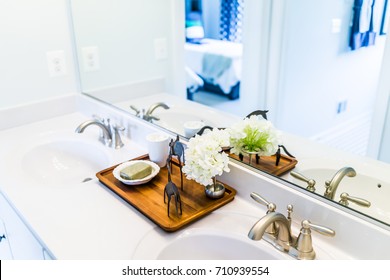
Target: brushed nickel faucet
{"x": 107, "y": 137}
{"x": 282, "y": 239}
{"x": 153, "y": 107}
{"x": 332, "y": 185}
{"x": 148, "y": 116}
{"x": 345, "y": 197}
{"x": 310, "y": 182}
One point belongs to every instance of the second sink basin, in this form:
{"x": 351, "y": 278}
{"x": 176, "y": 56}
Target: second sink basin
{"x": 202, "y": 245}
{"x": 226, "y": 239}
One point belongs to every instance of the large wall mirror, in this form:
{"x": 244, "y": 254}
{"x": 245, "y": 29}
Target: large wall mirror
{"x": 296, "y": 62}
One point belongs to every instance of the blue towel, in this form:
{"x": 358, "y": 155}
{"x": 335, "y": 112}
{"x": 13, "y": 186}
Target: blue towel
{"x": 214, "y": 65}
{"x": 362, "y": 30}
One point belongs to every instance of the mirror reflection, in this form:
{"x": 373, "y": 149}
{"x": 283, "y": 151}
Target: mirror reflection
{"x": 318, "y": 81}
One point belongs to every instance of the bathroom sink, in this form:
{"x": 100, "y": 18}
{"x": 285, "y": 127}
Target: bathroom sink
{"x": 221, "y": 236}
{"x": 368, "y": 184}
{"x": 209, "y": 245}
{"x": 61, "y": 158}
{"x": 64, "y": 162}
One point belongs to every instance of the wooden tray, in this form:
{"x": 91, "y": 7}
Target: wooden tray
{"x": 267, "y": 163}
{"x": 149, "y": 198}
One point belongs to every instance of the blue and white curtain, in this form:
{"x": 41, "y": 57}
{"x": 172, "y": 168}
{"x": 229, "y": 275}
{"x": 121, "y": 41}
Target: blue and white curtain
{"x": 231, "y": 20}
{"x": 368, "y": 22}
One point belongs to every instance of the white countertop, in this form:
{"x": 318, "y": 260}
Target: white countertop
{"x": 88, "y": 221}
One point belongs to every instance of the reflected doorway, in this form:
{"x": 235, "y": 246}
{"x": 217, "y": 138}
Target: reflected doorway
{"x": 213, "y": 52}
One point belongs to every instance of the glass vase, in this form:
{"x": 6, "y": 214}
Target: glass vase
{"x": 250, "y": 154}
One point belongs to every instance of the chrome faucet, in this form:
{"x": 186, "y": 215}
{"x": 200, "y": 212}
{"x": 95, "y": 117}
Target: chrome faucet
{"x": 148, "y": 115}
{"x": 108, "y": 138}
{"x": 331, "y": 186}
{"x": 282, "y": 239}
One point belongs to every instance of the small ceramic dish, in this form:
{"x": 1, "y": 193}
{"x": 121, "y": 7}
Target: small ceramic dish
{"x": 117, "y": 170}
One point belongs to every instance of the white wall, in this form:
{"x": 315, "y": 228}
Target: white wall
{"x": 318, "y": 69}
{"x": 29, "y": 29}
{"x": 380, "y": 132}
{"x": 124, "y": 32}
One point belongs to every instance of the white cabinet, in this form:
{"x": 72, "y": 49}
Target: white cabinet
{"x": 18, "y": 242}
{"x": 5, "y": 250}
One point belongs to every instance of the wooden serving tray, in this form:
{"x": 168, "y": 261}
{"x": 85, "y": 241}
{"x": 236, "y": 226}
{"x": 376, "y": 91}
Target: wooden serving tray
{"x": 148, "y": 198}
{"x": 267, "y": 163}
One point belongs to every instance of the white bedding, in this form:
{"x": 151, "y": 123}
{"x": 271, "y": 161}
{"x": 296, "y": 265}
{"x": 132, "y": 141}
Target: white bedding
{"x": 218, "y": 62}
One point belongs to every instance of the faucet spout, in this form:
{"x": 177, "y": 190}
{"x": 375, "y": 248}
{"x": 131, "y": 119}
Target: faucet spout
{"x": 284, "y": 237}
{"x": 107, "y": 137}
{"x": 148, "y": 115}
{"x": 155, "y": 106}
{"x": 332, "y": 185}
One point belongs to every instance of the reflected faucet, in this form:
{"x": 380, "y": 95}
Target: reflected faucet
{"x": 148, "y": 115}
{"x": 331, "y": 186}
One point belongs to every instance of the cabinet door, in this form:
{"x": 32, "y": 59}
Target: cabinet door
{"x": 23, "y": 244}
{"x": 5, "y": 250}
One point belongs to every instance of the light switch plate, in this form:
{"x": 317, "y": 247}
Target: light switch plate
{"x": 91, "y": 60}
{"x": 56, "y": 63}
{"x": 160, "y": 49}
{"x": 336, "y": 25}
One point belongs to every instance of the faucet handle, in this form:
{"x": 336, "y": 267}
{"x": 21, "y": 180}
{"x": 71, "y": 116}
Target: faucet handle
{"x": 137, "y": 111}
{"x": 116, "y": 139}
{"x": 306, "y": 224}
{"x": 345, "y": 197}
{"x": 304, "y": 243}
{"x": 259, "y": 199}
{"x": 273, "y": 228}
{"x": 310, "y": 182}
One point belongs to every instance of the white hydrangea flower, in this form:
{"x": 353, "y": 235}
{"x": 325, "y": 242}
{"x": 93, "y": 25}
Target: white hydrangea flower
{"x": 205, "y": 158}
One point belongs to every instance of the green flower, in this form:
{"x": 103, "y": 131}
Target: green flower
{"x": 254, "y": 134}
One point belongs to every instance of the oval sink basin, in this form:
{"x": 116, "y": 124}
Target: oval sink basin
{"x": 220, "y": 236}
{"x": 63, "y": 162}
{"x": 207, "y": 246}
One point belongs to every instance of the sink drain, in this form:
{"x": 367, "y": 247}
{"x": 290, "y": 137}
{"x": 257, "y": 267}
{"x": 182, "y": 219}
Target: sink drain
{"x": 86, "y": 180}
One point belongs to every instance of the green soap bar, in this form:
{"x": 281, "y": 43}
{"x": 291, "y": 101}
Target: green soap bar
{"x": 136, "y": 171}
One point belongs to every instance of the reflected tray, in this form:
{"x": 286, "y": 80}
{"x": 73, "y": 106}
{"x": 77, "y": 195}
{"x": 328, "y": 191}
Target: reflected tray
{"x": 267, "y": 163}
{"x": 149, "y": 198}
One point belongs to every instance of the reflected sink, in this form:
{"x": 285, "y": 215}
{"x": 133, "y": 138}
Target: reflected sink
{"x": 365, "y": 184}
{"x": 180, "y": 111}
{"x": 174, "y": 118}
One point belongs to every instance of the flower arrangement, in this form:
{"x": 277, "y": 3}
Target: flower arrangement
{"x": 254, "y": 135}
{"x": 204, "y": 156}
